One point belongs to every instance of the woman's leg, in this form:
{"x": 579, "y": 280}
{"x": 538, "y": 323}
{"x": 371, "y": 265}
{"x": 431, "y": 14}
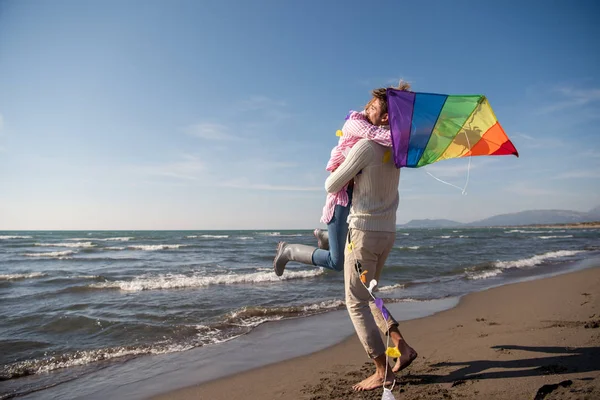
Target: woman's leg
{"x": 337, "y": 230}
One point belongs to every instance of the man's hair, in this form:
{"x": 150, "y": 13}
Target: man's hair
{"x": 381, "y": 94}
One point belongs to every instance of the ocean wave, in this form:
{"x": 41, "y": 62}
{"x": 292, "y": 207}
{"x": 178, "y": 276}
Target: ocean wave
{"x": 177, "y": 281}
{"x": 390, "y": 287}
{"x": 59, "y": 254}
{"x": 326, "y": 305}
{"x": 404, "y": 300}
{"x": 102, "y": 259}
{"x": 496, "y": 268}
{"x": 445, "y": 237}
{"x": 83, "y": 357}
{"x": 231, "y": 325}
{"x": 253, "y": 322}
{"x": 409, "y": 247}
{"x": 555, "y": 237}
{"x": 111, "y": 239}
{"x": 79, "y": 288}
{"x": 526, "y": 231}
{"x": 155, "y": 247}
{"x": 214, "y": 236}
{"x": 71, "y": 323}
{"x": 115, "y": 248}
{"x": 270, "y": 233}
{"x": 484, "y": 274}
{"x": 9, "y": 237}
{"x": 70, "y": 279}
{"x": 253, "y": 316}
{"x": 214, "y": 335}
{"x": 245, "y": 238}
{"x": 244, "y": 319}
{"x": 14, "y": 277}
{"x": 75, "y": 245}
{"x": 87, "y": 277}
{"x": 536, "y": 260}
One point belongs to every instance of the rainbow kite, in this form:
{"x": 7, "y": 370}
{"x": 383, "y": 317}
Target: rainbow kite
{"x": 429, "y": 127}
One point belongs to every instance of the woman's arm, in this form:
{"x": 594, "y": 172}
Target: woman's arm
{"x": 361, "y": 127}
{"x": 357, "y": 159}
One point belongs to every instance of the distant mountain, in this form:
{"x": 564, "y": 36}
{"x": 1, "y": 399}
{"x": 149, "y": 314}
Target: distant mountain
{"x": 531, "y": 217}
{"x": 536, "y": 217}
{"x": 595, "y": 211}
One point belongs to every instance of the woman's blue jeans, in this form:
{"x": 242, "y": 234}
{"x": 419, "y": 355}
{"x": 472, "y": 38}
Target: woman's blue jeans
{"x": 338, "y": 231}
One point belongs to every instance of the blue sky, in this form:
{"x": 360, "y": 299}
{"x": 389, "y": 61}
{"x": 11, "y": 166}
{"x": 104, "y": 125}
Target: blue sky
{"x": 221, "y": 115}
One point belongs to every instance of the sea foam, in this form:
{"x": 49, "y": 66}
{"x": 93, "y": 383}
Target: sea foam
{"x": 536, "y": 260}
{"x": 155, "y": 247}
{"x": 14, "y": 277}
{"x": 58, "y": 254}
{"x": 76, "y": 245}
{"x": 499, "y": 266}
{"x": 214, "y": 236}
{"x": 390, "y": 287}
{"x": 178, "y": 281}
{"x": 111, "y": 239}
{"x": 555, "y": 237}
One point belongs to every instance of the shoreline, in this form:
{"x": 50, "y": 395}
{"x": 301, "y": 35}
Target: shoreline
{"x": 457, "y": 349}
{"x": 576, "y": 225}
{"x": 266, "y": 345}
{"x": 270, "y": 344}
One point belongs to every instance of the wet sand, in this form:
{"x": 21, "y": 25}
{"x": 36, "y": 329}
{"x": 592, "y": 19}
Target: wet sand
{"x": 537, "y": 340}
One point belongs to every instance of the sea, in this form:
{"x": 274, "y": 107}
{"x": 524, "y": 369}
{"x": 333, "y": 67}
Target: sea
{"x": 73, "y": 302}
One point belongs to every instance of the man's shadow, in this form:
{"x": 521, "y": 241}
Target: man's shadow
{"x": 565, "y": 360}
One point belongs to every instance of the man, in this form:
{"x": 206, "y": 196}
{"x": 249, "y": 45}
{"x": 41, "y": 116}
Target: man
{"x": 372, "y": 232}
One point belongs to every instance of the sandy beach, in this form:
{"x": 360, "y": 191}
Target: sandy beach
{"x": 537, "y": 339}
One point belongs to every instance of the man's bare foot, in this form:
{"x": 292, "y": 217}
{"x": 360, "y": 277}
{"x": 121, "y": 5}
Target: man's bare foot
{"x": 406, "y": 358}
{"x": 373, "y": 382}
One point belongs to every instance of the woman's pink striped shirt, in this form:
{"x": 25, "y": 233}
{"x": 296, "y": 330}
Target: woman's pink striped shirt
{"x": 357, "y": 127}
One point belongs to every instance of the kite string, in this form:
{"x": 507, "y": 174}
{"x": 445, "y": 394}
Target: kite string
{"x": 463, "y": 189}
